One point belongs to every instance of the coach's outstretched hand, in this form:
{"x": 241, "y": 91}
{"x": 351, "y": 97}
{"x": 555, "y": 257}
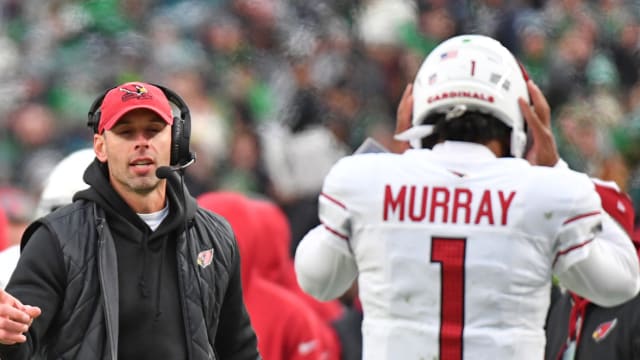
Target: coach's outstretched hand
{"x": 15, "y": 319}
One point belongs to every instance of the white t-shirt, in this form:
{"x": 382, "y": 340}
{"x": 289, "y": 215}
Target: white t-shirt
{"x": 454, "y": 250}
{"x": 153, "y": 220}
{"x": 8, "y": 261}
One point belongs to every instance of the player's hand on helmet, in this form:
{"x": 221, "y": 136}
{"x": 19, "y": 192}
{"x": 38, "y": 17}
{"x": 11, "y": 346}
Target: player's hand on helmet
{"x": 403, "y": 118}
{"x": 15, "y": 319}
{"x": 538, "y": 117}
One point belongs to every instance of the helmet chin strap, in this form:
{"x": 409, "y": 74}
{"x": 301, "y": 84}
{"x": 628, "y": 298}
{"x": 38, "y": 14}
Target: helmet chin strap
{"x": 518, "y": 142}
{"x": 415, "y": 133}
{"x": 456, "y": 111}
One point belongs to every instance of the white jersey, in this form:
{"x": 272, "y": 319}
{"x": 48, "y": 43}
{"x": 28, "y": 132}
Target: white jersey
{"x": 454, "y": 250}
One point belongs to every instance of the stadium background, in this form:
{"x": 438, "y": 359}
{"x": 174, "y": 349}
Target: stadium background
{"x": 279, "y": 90}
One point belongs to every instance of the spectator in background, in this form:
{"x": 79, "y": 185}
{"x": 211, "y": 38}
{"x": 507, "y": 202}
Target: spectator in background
{"x": 275, "y": 263}
{"x": 567, "y": 70}
{"x": 244, "y": 170}
{"x": 624, "y": 48}
{"x": 379, "y": 27}
{"x": 433, "y": 25}
{"x": 288, "y": 148}
{"x": 563, "y": 14}
{"x": 585, "y": 139}
{"x": 581, "y": 138}
{"x": 612, "y": 16}
{"x": 64, "y": 180}
{"x": 19, "y": 208}
{"x": 286, "y": 327}
{"x": 626, "y": 138}
{"x": 534, "y": 49}
{"x": 580, "y": 67}
{"x": 496, "y": 19}
{"x": 33, "y": 145}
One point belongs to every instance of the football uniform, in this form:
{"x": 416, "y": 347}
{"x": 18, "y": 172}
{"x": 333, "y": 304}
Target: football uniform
{"x": 577, "y": 329}
{"x": 454, "y": 250}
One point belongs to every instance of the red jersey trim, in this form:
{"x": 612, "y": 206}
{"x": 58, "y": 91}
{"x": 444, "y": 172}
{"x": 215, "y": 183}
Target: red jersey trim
{"x": 581, "y": 216}
{"x": 335, "y": 232}
{"x": 334, "y": 200}
{"x": 566, "y": 251}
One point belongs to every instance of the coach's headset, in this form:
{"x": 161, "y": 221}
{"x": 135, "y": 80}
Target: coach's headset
{"x": 181, "y": 156}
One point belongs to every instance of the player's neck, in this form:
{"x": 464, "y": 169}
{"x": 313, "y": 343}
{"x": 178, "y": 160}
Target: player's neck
{"x": 496, "y": 147}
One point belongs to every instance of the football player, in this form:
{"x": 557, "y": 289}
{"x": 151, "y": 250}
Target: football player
{"x": 454, "y": 242}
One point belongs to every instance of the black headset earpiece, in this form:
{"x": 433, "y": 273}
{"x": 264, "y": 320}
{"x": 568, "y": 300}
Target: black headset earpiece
{"x": 94, "y": 112}
{"x": 180, "y": 130}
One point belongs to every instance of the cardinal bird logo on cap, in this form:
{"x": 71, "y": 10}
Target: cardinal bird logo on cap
{"x": 205, "y": 258}
{"x": 139, "y": 92}
{"x": 604, "y": 329}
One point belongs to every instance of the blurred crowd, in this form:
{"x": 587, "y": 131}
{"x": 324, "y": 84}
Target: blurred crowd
{"x": 280, "y": 89}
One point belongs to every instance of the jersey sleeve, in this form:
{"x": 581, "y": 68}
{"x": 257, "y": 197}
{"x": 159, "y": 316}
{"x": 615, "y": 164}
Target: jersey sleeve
{"x": 324, "y": 264}
{"x": 580, "y": 221}
{"x": 595, "y": 257}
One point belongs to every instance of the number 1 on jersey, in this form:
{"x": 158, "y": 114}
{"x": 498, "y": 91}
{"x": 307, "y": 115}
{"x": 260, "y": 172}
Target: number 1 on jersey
{"x": 450, "y": 253}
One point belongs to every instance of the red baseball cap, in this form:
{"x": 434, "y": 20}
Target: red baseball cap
{"x": 129, "y": 96}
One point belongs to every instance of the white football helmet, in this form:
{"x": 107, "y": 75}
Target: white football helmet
{"x": 469, "y": 73}
{"x": 64, "y": 181}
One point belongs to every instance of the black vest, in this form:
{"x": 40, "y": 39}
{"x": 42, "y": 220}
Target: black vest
{"x": 86, "y": 326}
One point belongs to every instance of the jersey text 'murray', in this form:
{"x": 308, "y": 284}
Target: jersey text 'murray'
{"x": 446, "y": 205}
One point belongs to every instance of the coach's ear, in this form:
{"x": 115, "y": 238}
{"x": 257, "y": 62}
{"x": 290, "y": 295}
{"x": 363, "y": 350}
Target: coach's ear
{"x": 99, "y": 148}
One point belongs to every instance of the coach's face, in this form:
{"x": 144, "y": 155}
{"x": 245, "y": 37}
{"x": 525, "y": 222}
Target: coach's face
{"x": 134, "y": 148}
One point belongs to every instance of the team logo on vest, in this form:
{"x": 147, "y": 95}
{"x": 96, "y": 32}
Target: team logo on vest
{"x": 205, "y": 258}
{"x": 604, "y": 329}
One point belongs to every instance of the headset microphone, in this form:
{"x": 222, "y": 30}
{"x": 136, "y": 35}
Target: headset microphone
{"x": 163, "y": 172}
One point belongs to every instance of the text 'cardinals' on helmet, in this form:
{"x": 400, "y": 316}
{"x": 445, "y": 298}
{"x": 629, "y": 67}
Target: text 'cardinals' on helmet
{"x": 469, "y": 73}
{"x": 64, "y": 181}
